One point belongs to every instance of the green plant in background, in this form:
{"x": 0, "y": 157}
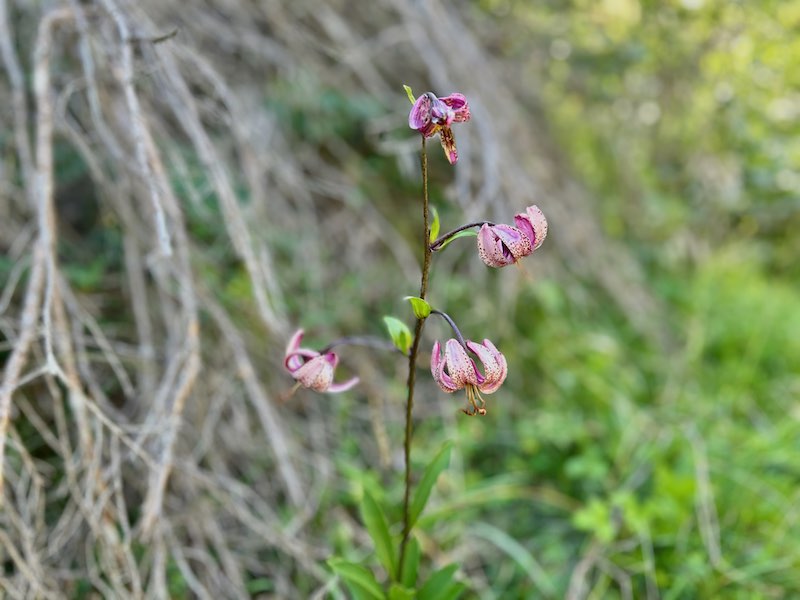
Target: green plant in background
{"x": 453, "y": 368}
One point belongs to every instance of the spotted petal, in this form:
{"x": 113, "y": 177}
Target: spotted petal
{"x": 420, "y": 116}
{"x": 317, "y": 373}
{"x": 448, "y": 144}
{"x": 460, "y": 107}
{"x": 502, "y": 245}
{"x": 533, "y": 224}
{"x": 494, "y": 363}
{"x": 460, "y": 366}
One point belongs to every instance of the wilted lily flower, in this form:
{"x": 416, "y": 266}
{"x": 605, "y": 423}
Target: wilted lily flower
{"x": 501, "y": 245}
{"x": 431, "y": 115}
{"x": 456, "y": 370}
{"x": 533, "y": 224}
{"x": 312, "y": 369}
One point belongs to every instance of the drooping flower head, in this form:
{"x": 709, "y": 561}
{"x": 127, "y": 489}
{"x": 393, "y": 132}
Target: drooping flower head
{"x": 502, "y": 245}
{"x": 312, "y": 369}
{"x": 455, "y": 370}
{"x": 431, "y": 115}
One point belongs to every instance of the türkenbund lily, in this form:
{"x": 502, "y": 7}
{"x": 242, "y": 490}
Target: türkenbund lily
{"x": 312, "y": 369}
{"x": 501, "y": 245}
{"x": 455, "y": 370}
{"x": 431, "y": 115}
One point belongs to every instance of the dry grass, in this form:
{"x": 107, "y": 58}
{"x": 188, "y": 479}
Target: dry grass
{"x": 127, "y": 416}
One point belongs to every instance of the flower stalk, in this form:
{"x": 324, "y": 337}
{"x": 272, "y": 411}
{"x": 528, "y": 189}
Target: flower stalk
{"x": 413, "y": 354}
{"x": 437, "y": 244}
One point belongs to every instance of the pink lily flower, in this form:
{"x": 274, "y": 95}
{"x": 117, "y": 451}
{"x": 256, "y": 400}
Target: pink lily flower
{"x": 456, "y": 370}
{"x": 501, "y": 245}
{"x": 312, "y": 369}
{"x": 431, "y": 115}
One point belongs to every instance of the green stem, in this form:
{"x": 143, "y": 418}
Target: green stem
{"x": 412, "y": 358}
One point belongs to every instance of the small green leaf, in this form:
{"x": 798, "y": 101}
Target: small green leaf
{"x": 421, "y": 308}
{"x": 435, "y": 225}
{"x": 399, "y": 332}
{"x": 423, "y": 492}
{"x": 398, "y": 592}
{"x": 378, "y": 529}
{"x": 441, "y": 585}
{"x": 411, "y": 563}
{"x": 465, "y": 233}
{"x": 359, "y": 579}
{"x": 410, "y": 94}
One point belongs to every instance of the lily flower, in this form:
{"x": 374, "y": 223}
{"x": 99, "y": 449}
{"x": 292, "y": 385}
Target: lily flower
{"x": 533, "y": 224}
{"x": 312, "y": 369}
{"x": 456, "y": 370}
{"x": 501, "y": 245}
{"x": 431, "y": 115}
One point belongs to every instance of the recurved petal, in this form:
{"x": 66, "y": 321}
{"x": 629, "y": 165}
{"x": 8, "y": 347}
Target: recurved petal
{"x": 335, "y": 388}
{"x": 316, "y": 374}
{"x": 448, "y": 144}
{"x": 460, "y": 366}
{"x": 494, "y": 363}
{"x": 533, "y": 224}
{"x": 294, "y": 342}
{"x": 296, "y": 359}
{"x": 441, "y": 378}
{"x": 420, "y": 116}
{"x": 458, "y": 103}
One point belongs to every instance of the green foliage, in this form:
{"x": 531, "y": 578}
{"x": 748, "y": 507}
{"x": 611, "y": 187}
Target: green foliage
{"x": 441, "y": 585}
{"x": 378, "y": 528}
{"x": 399, "y": 332}
{"x": 420, "y": 307}
{"x": 435, "y": 224}
{"x": 360, "y": 580}
{"x": 426, "y": 483}
{"x": 408, "y": 577}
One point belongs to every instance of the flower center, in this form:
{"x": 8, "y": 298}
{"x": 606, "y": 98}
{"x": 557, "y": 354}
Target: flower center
{"x": 476, "y": 401}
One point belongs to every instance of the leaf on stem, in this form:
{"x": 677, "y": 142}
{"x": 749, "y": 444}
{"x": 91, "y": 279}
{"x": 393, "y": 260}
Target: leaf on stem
{"x": 359, "y": 579}
{"x": 435, "y": 225}
{"x": 423, "y": 492}
{"x": 399, "y": 332}
{"x": 410, "y": 94}
{"x": 411, "y": 563}
{"x": 421, "y": 307}
{"x": 378, "y": 529}
{"x": 442, "y": 586}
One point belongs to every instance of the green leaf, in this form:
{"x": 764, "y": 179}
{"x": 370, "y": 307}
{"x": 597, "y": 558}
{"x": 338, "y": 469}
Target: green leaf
{"x": 421, "y": 308}
{"x": 398, "y": 592}
{"x": 359, "y": 579}
{"x": 399, "y": 332}
{"x": 423, "y": 491}
{"x": 410, "y": 94}
{"x": 460, "y": 234}
{"x": 411, "y": 563}
{"x": 441, "y": 585}
{"x": 378, "y": 529}
{"x": 435, "y": 225}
